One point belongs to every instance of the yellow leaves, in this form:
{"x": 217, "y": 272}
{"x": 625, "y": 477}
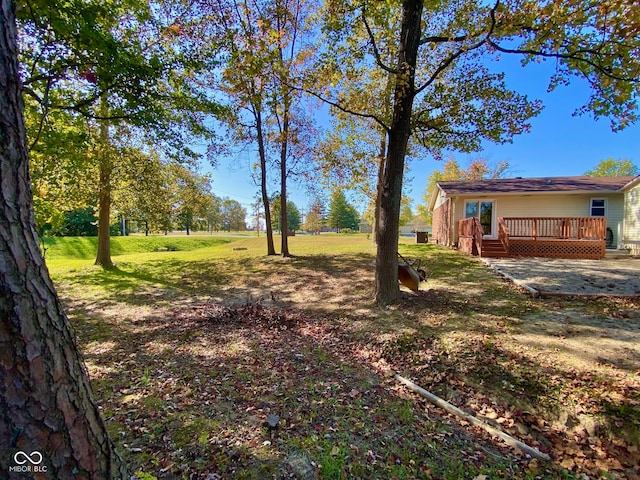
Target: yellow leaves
{"x": 173, "y": 30}
{"x": 534, "y": 466}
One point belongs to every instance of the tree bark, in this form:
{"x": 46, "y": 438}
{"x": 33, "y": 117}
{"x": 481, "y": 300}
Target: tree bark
{"x": 103, "y": 257}
{"x": 388, "y": 90}
{"x": 284, "y": 141}
{"x": 379, "y": 183}
{"x": 46, "y": 404}
{"x": 387, "y": 289}
{"x": 271, "y": 250}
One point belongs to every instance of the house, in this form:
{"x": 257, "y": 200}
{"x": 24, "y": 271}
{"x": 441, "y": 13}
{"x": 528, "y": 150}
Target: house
{"x": 365, "y": 227}
{"x": 520, "y": 211}
{"x": 631, "y": 221}
{"x": 416, "y": 224}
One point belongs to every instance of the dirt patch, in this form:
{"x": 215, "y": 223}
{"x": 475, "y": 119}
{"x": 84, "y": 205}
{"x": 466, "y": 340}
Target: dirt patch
{"x": 585, "y": 338}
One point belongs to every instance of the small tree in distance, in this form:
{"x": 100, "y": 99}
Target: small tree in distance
{"x": 314, "y": 220}
{"x": 293, "y": 215}
{"x": 341, "y": 214}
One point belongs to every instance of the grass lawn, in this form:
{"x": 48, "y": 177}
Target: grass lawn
{"x": 211, "y": 360}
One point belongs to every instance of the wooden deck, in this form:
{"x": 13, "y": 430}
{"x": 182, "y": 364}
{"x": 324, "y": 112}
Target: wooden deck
{"x": 550, "y": 237}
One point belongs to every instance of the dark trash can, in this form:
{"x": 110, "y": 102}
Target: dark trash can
{"x": 422, "y": 237}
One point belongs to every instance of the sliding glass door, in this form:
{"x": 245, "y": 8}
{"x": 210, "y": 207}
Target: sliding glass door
{"x": 482, "y": 210}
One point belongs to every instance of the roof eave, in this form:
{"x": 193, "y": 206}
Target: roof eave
{"x": 631, "y": 184}
{"x": 524, "y": 192}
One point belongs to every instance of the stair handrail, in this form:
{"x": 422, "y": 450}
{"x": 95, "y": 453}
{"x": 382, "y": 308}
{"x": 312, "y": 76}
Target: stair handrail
{"x": 478, "y": 233}
{"x": 503, "y": 233}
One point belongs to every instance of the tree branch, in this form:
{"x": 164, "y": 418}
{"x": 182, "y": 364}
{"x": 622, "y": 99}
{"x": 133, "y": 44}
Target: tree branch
{"x": 45, "y": 113}
{"x": 565, "y": 56}
{"x": 376, "y": 52}
{"x": 343, "y": 108}
{"x": 443, "y": 66}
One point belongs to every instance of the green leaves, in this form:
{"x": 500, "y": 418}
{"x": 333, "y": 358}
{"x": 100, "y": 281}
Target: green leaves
{"x": 342, "y": 215}
{"x": 76, "y": 52}
{"x": 613, "y": 168}
{"x": 595, "y": 41}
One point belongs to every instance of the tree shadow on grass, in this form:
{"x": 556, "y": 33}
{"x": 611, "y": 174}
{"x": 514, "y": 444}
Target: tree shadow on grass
{"x": 186, "y": 394}
{"x": 169, "y": 372}
{"x": 137, "y": 284}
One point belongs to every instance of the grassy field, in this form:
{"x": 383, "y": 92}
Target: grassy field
{"x": 211, "y": 360}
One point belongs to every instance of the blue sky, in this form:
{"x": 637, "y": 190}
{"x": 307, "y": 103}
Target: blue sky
{"x": 559, "y": 143}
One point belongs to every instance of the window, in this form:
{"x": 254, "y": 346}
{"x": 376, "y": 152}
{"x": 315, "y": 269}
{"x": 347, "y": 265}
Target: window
{"x": 482, "y": 210}
{"x": 598, "y": 207}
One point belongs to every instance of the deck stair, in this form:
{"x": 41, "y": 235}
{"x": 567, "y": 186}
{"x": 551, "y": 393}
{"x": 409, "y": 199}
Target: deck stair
{"x": 493, "y": 249}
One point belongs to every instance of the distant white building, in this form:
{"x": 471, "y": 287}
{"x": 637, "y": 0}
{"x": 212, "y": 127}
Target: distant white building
{"x": 365, "y": 227}
{"x": 417, "y": 224}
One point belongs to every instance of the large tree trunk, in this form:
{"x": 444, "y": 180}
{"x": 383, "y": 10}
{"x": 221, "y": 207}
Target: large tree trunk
{"x": 379, "y": 183}
{"x": 284, "y": 224}
{"x": 388, "y": 90}
{"x": 46, "y": 407}
{"x": 103, "y": 256}
{"x": 271, "y": 250}
{"x": 387, "y": 289}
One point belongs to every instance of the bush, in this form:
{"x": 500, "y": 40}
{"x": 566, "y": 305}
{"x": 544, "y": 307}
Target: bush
{"x": 81, "y": 222}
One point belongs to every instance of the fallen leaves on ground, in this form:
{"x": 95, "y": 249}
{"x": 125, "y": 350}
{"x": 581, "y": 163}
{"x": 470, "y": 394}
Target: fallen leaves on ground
{"x": 191, "y": 390}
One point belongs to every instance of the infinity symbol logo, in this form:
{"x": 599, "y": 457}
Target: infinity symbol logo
{"x": 21, "y": 458}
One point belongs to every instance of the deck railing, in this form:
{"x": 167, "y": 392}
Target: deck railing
{"x": 565, "y": 228}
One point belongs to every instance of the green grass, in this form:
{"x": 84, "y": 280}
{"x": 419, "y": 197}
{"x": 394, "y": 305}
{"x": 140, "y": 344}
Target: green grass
{"x": 195, "y": 394}
{"x": 81, "y": 248}
{"x": 192, "y": 265}
{"x": 84, "y": 248}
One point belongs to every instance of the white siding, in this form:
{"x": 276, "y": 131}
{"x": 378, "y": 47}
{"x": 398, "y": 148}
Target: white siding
{"x": 440, "y": 199}
{"x": 631, "y": 229}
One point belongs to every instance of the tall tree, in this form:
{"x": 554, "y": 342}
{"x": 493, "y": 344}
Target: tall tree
{"x": 233, "y": 215}
{"x": 341, "y": 213}
{"x": 265, "y": 40}
{"x": 439, "y": 70}
{"x": 46, "y": 404}
{"x": 214, "y": 213}
{"x": 613, "y": 168}
{"x": 111, "y": 63}
{"x": 244, "y": 81}
{"x": 442, "y": 119}
{"x": 192, "y": 195}
{"x": 143, "y": 191}
{"x": 286, "y": 22}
